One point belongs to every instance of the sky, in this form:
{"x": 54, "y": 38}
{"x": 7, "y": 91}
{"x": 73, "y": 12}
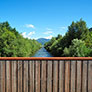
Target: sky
{"x": 44, "y": 18}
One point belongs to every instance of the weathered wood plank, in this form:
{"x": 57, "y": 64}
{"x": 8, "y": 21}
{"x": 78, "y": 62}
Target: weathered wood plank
{"x": 49, "y": 76}
{"x": 79, "y": 73}
{"x": 61, "y": 76}
{"x": 55, "y": 77}
{"x": 43, "y": 76}
{"x": 73, "y": 76}
{"x": 67, "y": 76}
{"x": 37, "y": 76}
{"x": 31, "y": 75}
{"x": 14, "y": 70}
{"x": 25, "y": 76}
{"x": 8, "y": 76}
{"x": 2, "y": 76}
{"x": 19, "y": 76}
{"x": 90, "y": 77}
{"x": 84, "y": 77}
{"x": 45, "y": 58}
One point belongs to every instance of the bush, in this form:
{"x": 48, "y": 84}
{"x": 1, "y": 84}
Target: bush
{"x": 77, "y": 49}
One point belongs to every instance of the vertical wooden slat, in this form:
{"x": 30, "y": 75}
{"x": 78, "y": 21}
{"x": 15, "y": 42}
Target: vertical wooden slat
{"x": 8, "y": 76}
{"x": 61, "y": 76}
{"x": 73, "y": 76}
{"x": 67, "y": 76}
{"x": 84, "y": 79}
{"x": 64, "y": 70}
{"x": 37, "y": 76}
{"x": 25, "y": 76}
{"x": 31, "y": 84}
{"x": 90, "y": 77}
{"x": 79, "y": 73}
{"x": 2, "y": 76}
{"x": 43, "y": 76}
{"x": 49, "y": 76}
{"x": 14, "y": 76}
{"x": 19, "y": 76}
{"x": 55, "y": 77}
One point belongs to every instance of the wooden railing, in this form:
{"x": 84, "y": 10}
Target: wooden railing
{"x": 56, "y": 74}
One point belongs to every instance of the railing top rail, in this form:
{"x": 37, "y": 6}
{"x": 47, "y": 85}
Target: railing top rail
{"x": 45, "y": 58}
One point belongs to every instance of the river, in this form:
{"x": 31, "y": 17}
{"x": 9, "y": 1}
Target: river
{"x": 42, "y": 53}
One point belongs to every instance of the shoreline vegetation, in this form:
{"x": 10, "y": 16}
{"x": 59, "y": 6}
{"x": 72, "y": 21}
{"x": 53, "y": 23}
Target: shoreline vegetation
{"x": 77, "y": 42}
{"x": 13, "y": 44}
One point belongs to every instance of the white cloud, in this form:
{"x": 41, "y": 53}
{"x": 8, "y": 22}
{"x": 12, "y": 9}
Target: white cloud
{"x": 31, "y": 33}
{"x": 63, "y": 28}
{"x": 30, "y": 26}
{"x": 48, "y": 32}
{"x": 25, "y": 35}
{"x": 49, "y": 29}
{"x": 48, "y": 37}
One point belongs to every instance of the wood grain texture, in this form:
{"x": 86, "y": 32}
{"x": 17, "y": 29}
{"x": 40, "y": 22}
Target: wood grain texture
{"x": 67, "y": 76}
{"x": 90, "y": 77}
{"x": 79, "y": 73}
{"x": 8, "y": 76}
{"x": 84, "y": 77}
{"x": 37, "y": 76}
{"x": 49, "y": 76}
{"x": 46, "y": 76}
{"x": 19, "y": 76}
{"x": 45, "y": 58}
{"x": 14, "y": 68}
{"x": 43, "y": 76}
{"x": 25, "y": 76}
{"x": 31, "y": 75}
{"x": 73, "y": 76}
{"x": 61, "y": 76}
{"x": 55, "y": 77}
{"x": 2, "y": 76}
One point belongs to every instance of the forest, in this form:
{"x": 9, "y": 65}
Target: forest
{"x": 13, "y": 44}
{"x": 77, "y": 42}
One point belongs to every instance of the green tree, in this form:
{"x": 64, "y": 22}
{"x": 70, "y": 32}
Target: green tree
{"x": 7, "y": 47}
{"x": 77, "y": 49}
{"x": 13, "y": 44}
{"x": 90, "y": 29}
{"x": 77, "y": 30}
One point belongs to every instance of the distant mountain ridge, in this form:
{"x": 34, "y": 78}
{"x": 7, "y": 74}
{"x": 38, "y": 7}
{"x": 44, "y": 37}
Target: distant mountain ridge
{"x": 42, "y": 40}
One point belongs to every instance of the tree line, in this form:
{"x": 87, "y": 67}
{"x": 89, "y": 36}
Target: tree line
{"x": 13, "y": 44}
{"x": 77, "y": 42}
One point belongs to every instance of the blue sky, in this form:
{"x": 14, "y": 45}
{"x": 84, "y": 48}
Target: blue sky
{"x": 44, "y": 18}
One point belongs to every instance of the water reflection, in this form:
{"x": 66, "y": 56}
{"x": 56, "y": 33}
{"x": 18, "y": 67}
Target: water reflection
{"x": 42, "y": 53}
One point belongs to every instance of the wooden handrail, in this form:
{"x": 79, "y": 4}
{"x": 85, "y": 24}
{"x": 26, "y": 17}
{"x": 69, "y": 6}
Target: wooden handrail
{"x": 45, "y": 58}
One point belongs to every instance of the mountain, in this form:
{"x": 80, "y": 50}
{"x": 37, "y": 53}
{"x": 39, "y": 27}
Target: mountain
{"x": 42, "y": 40}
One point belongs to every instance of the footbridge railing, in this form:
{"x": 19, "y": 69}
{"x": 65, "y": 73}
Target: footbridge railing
{"x": 44, "y": 74}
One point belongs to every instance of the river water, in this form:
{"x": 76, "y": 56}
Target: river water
{"x": 42, "y": 53}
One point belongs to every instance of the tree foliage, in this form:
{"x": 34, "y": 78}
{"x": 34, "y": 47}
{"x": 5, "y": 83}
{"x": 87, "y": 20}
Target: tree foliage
{"x": 78, "y": 48}
{"x": 13, "y": 44}
{"x": 62, "y": 46}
